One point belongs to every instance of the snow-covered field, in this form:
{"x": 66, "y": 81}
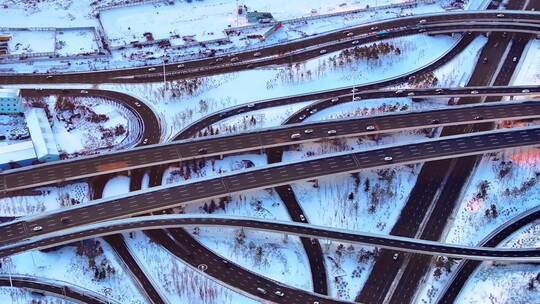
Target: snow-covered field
{"x": 47, "y": 198}
{"x": 74, "y": 42}
{"x": 29, "y": 42}
{"x": 89, "y": 125}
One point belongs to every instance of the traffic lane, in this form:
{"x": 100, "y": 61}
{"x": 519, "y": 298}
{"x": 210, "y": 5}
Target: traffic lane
{"x": 118, "y": 244}
{"x": 498, "y": 46}
{"x": 236, "y": 277}
{"x": 103, "y": 75}
{"x": 335, "y": 95}
{"x": 151, "y": 125}
{"x": 311, "y": 246}
{"x": 320, "y": 50}
{"x": 467, "y": 267}
{"x": 370, "y": 239}
{"x": 265, "y": 177}
{"x": 361, "y": 29}
{"x": 46, "y": 287}
{"x": 204, "y": 147}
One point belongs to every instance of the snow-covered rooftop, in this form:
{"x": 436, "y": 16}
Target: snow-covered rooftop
{"x": 17, "y": 152}
{"x": 41, "y": 133}
{"x": 8, "y": 93}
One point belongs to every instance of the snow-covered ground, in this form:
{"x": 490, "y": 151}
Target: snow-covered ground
{"x": 529, "y": 73}
{"x": 46, "y": 199}
{"x": 507, "y": 283}
{"x": 89, "y": 125}
{"x": 87, "y": 264}
{"x": 13, "y": 127}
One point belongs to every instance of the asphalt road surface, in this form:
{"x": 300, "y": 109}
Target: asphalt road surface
{"x": 151, "y": 155}
{"x": 264, "y": 177}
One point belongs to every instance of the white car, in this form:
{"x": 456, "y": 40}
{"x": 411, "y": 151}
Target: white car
{"x": 422, "y": 21}
{"x": 355, "y": 42}
{"x": 388, "y": 158}
{"x": 302, "y": 218}
{"x": 474, "y": 92}
{"x": 151, "y": 69}
{"x": 322, "y": 52}
{"x": 500, "y": 15}
{"x": 37, "y": 228}
{"x": 279, "y": 293}
{"x": 395, "y": 256}
{"x": 525, "y": 91}
{"x": 261, "y": 290}
{"x": 234, "y": 59}
{"x": 370, "y": 128}
{"x": 331, "y": 132}
{"x": 256, "y": 54}
{"x": 180, "y": 66}
{"x": 350, "y": 34}
{"x": 296, "y": 136}
{"x": 308, "y": 131}
{"x": 410, "y": 94}
{"x": 334, "y": 100}
{"x": 399, "y": 92}
{"x": 84, "y": 92}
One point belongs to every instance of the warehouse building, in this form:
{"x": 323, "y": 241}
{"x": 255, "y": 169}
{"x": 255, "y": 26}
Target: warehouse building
{"x": 42, "y": 135}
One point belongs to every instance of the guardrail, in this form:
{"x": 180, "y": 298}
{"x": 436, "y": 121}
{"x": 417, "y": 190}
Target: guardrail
{"x": 59, "y": 284}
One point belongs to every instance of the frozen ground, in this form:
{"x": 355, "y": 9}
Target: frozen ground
{"x": 46, "y": 199}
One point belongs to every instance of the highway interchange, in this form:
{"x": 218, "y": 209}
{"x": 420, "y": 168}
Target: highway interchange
{"x": 100, "y": 212}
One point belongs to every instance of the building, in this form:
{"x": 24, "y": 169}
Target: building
{"x": 10, "y": 101}
{"x": 17, "y": 155}
{"x": 259, "y": 17}
{"x": 42, "y": 135}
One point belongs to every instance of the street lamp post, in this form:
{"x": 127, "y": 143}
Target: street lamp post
{"x": 164, "y": 75}
{"x": 10, "y": 280}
